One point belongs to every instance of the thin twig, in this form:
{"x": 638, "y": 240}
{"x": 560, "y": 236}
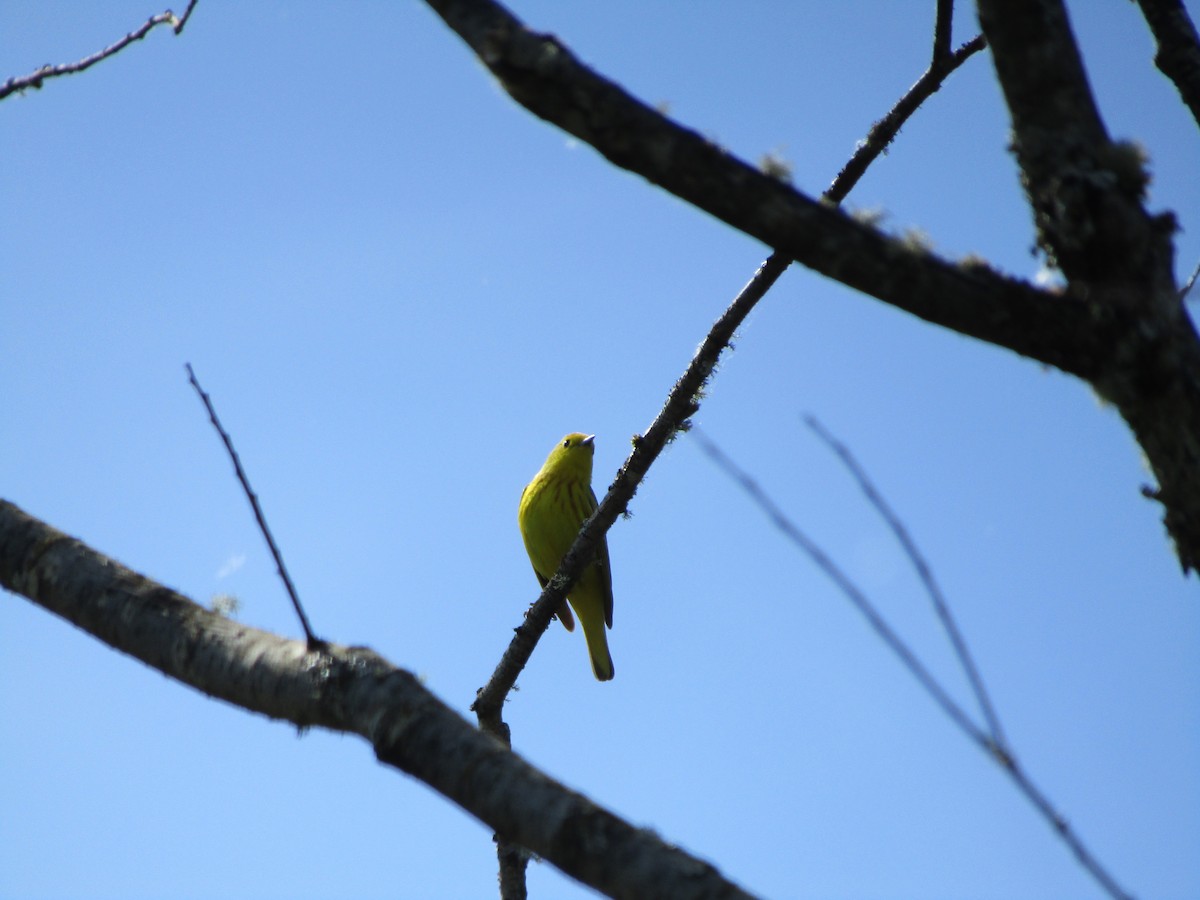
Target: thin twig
{"x": 923, "y": 571}
{"x": 1191, "y": 283}
{"x": 852, "y": 592}
{"x": 943, "y": 26}
{"x": 35, "y": 79}
{"x": 884, "y": 131}
{"x": 999, "y": 753}
{"x": 314, "y": 643}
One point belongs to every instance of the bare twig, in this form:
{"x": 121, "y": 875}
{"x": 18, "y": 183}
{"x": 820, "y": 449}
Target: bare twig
{"x": 852, "y": 592}
{"x": 35, "y": 79}
{"x": 314, "y": 643}
{"x": 884, "y": 131}
{"x": 992, "y": 746}
{"x": 943, "y": 27}
{"x": 924, "y": 572}
{"x": 1191, "y": 283}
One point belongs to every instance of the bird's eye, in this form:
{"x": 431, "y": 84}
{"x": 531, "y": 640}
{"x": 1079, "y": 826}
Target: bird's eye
{"x": 567, "y": 442}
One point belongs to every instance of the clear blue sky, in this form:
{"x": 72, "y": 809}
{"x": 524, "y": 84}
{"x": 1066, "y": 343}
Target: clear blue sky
{"x": 400, "y": 290}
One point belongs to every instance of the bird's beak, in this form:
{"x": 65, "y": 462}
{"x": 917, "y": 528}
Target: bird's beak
{"x": 588, "y": 439}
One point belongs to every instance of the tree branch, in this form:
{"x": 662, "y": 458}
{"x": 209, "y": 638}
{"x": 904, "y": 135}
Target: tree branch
{"x": 35, "y": 79}
{"x": 351, "y": 690}
{"x": 1086, "y": 193}
{"x": 884, "y": 131}
{"x": 313, "y": 641}
{"x": 1120, "y": 325}
{"x": 943, "y": 27}
{"x": 542, "y": 74}
{"x": 924, "y": 571}
{"x": 1178, "y": 55}
{"x": 681, "y": 403}
{"x": 991, "y": 744}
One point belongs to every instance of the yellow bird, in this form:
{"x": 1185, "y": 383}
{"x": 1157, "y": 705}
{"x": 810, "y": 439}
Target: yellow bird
{"x": 553, "y": 506}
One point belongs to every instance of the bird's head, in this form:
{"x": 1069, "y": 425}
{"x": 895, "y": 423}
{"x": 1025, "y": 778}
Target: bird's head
{"x": 572, "y": 456}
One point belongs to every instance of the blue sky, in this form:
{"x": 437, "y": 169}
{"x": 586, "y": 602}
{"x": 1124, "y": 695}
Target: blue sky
{"x": 400, "y": 289}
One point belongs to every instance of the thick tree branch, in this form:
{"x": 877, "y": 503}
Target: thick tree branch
{"x": 1178, "y": 55}
{"x": 1086, "y": 193}
{"x": 352, "y": 690}
{"x": 542, "y": 74}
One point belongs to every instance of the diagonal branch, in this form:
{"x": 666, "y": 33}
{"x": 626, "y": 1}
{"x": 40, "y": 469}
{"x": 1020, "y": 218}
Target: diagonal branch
{"x": 351, "y": 690}
{"x": 924, "y": 572}
{"x": 992, "y": 745}
{"x": 681, "y": 403}
{"x": 1178, "y": 55}
{"x": 314, "y": 643}
{"x": 542, "y": 74}
{"x": 885, "y": 130}
{"x": 35, "y": 79}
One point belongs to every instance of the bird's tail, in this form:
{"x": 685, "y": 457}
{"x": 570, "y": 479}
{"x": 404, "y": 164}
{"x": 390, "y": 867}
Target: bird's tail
{"x": 597, "y": 644}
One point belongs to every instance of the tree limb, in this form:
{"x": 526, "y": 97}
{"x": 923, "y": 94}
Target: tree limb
{"x": 1178, "y": 55}
{"x": 346, "y": 689}
{"x": 1086, "y": 193}
{"x": 942, "y": 29}
{"x": 542, "y": 74}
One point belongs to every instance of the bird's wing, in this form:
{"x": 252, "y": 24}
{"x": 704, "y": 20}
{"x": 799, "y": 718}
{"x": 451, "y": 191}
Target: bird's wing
{"x": 605, "y": 570}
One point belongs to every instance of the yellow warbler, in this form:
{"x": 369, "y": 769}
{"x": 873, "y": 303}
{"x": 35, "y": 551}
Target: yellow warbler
{"x": 553, "y": 506}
